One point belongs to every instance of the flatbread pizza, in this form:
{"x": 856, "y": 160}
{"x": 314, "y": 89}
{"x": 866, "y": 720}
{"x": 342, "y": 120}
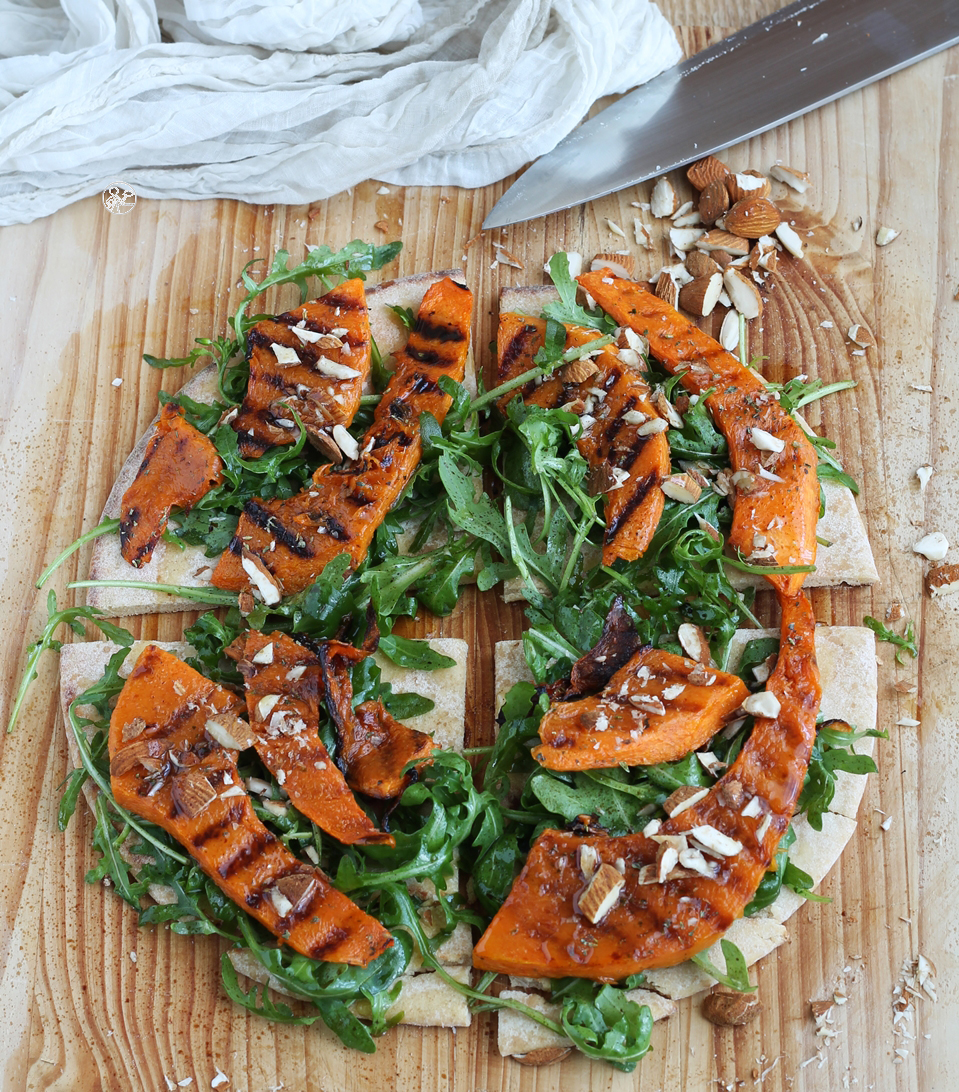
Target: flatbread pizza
{"x": 305, "y": 763}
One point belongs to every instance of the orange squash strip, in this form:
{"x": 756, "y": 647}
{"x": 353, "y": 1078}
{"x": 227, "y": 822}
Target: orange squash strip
{"x": 167, "y": 768}
{"x": 539, "y": 932}
{"x": 611, "y": 444}
{"x": 623, "y": 722}
{"x": 180, "y": 465}
{"x": 283, "y": 698}
{"x": 774, "y": 517}
{"x": 374, "y": 746}
{"x": 335, "y": 339}
{"x": 294, "y": 539}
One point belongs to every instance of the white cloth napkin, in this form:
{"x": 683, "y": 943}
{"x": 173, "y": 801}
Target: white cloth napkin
{"x": 294, "y": 100}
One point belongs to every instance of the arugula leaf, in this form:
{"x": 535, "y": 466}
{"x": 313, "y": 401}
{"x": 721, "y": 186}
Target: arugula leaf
{"x": 567, "y": 310}
{"x": 46, "y": 643}
{"x": 203, "y": 416}
{"x": 404, "y": 314}
{"x": 831, "y": 751}
{"x": 905, "y": 643}
{"x": 755, "y": 653}
{"x": 736, "y": 975}
{"x": 107, "y": 527}
{"x": 605, "y": 1024}
{"x": 416, "y": 654}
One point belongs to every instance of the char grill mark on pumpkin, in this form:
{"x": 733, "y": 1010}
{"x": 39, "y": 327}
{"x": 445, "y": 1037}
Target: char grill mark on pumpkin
{"x": 267, "y": 521}
{"x": 639, "y": 495}
{"x": 517, "y": 348}
{"x": 328, "y": 943}
{"x": 245, "y": 854}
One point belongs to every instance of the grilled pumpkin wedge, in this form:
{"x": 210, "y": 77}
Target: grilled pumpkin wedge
{"x": 315, "y": 359}
{"x": 284, "y": 689}
{"x": 656, "y": 708}
{"x": 375, "y": 748}
{"x": 777, "y": 501}
{"x": 604, "y": 908}
{"x": 180, "y": 466}
{"x": 167, "y": 766}
{"x": 281, "y": 546}
{"x": 629, "y": 462}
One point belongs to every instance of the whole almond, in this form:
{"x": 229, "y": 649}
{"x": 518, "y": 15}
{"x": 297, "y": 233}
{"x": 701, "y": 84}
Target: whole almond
{"x": 752, "y": 217}
{"x": 723, "y": 240}
{"x": 666, "y": 289}
{"x": 701, "y": 295}
{"x": 707, "y": 170}
{"x": 700, "y": 264}
{"x": 713, "y": 202}
{"x": 747, "y": 184}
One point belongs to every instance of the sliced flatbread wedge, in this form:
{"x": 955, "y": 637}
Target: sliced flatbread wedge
{"x": 190, "y": 567}
{"x": 425, "y": 998}
{"x": 847, "y": 662}
{"x": 847, "y": 560}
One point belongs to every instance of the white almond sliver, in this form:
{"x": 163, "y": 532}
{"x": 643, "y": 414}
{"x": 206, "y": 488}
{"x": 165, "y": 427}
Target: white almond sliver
{"x": 729, "y": 332}
{"x": 284, "y": 354}
{"x": 789, "y": 239}
{"x": 763, "y": 704}
{"x": 334, "y": 369}
{"x": 935, "y": 546}
{"x": 345, "y": 442}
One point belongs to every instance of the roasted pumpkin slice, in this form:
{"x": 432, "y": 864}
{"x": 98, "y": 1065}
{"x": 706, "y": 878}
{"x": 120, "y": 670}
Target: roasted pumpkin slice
{"x": 777, "y": 497}
{"x": 284, "y": 687}
{"x": 604, "y": 908}
{"x": 281, "y": 546}
{"x": 656, "y": 708}
{"x": 315, "y": 359}
{"x": 622, "y": 436}
{"x": 179, "y": 466}
{"x": 167, "y": 766}
{"x": 375, "y": 748}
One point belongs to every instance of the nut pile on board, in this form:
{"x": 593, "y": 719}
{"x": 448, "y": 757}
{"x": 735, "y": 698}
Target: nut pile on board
{"x": 726, "y": 241}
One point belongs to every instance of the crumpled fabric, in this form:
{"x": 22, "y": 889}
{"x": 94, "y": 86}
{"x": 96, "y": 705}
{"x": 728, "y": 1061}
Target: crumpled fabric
{"x": 292, "y": 101}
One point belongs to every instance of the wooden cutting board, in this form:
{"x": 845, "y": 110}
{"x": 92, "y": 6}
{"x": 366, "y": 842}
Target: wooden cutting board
{"x": 86, "y": 292}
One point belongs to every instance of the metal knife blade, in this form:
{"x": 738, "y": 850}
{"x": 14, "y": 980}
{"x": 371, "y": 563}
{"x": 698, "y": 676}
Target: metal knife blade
{"x": 795, "y": 60}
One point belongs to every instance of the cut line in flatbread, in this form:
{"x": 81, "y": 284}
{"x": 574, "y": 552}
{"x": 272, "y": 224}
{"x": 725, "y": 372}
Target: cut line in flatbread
{"x": 847, "y": 560}
{"x": 190, "y": 567}
{"x": 425, "y": 1000}
{"x": 847, "y": 663}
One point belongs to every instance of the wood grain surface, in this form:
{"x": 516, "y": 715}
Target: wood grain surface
{"x": 85, "y": 293}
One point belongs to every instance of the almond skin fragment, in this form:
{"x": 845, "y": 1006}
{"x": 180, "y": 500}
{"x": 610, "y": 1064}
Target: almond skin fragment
{"x": 713, "y": 202}
{"x": 797, "y": 180}
{"x": 701, "y": 295}
{"x": 666, "y": 289}
{"x": 725, "y": 241}
{"x": 943, "y": 580}
{"x": 576, "y": 371}
{"x": 707, "y": 170}
{"x": 623, "y": 265}
{"x": 747, "y": 184}
{"x": 701, "y": 264}
{"x": 731, "y": 1009}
